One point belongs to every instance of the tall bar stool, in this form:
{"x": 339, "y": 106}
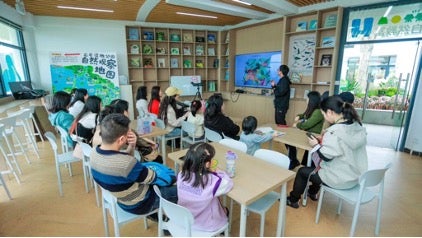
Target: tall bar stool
{"x": 24, "y": 118}
{"x": 11, "y": 170}
{"x": 36, "y": 131}
{"x": 9, "y": 130}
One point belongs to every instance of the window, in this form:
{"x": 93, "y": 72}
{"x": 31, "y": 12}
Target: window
{"x": 13, "y": 63}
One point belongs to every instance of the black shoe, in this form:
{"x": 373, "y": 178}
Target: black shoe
{"x": 153, "y": 217}
{"x": 293, "y": 164}
{"x": 166, "y": 232}
{"x": 292, "y": 204}
{"x": 313, "y": 197}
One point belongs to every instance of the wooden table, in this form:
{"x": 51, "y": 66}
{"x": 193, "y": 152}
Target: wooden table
{"x": 294, "y": 137}
{"x": 254, "y": 179}
{"x": 156, "y": 132}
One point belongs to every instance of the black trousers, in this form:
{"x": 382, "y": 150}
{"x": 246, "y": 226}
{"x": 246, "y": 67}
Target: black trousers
{"x": 293, "y": 155}
{"x": 300, "y": 183}
{"x": 280, "y": 116}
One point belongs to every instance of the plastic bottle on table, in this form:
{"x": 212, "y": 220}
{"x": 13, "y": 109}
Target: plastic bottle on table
{"x": 231, "y": 163}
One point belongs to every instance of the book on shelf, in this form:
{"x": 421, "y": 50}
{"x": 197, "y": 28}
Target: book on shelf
{"x": 199, "y": 39}
{"x": 326, "y": 59}
{"x": 199, "y": 50}
{"x": 211, "y": 38}
{"x": 305, "y": 94}
{"x": 135, "y": 61}
{"x": 161, "y": 51}
{"x": 328, "y": 41}
{"x": 227, "y": 51}
{"x": 292, "y": 92}
{"x": 134, "y": 49}
{"x": 148, "y": 63}
{"x": 161, "y": 62}
{"x": 174, "y": 51}
{"x": 301, "y": 26}
{"x": 160, "y": 36}
{"x": 227, "y": 38}
{"x": 186, "y": 50}
{"x": 211, "y": 86}
{"x": 199, "y": 64}
{"x": 133, "y": 34}
{"x": 187, "y": 64}
{"x": 147, "y": 49}
{"x": 174, "y": 63}
{"x": 187, "y": 37}
{"x": 313, "y": 24}
{"x": 211, "y": 51}
{"x": 227, "y": 64}
{"x": 174, "y": 37}
{"x": 330, "y": 20}
{"x": 216, "y": 63}
{"x": 148, "y": 35}
{"x": 227, "y": 75}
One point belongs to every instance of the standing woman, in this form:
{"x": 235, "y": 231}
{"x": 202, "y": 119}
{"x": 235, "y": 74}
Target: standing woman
{"x": 154, "y": 102}
{"x": 78, "y": 101}
{"x": 282, "y": 95}
{"x": 342, "y": 152}
{"x": 141, "y": 101}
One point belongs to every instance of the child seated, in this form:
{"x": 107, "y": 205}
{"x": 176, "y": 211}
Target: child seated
{"x": 195, "y": 117}
{"x": 252, "y": 138}
{"x": 198, "y": 188}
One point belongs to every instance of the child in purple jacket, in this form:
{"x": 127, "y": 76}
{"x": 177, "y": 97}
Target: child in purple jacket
{"x": 198, "y": 188}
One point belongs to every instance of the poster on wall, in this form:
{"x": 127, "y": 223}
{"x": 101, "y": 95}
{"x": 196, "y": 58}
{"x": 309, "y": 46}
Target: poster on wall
{"x": 301, "y": 54}
{"x": 96, "y": 72}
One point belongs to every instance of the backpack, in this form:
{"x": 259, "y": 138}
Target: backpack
{"x": 164, "y": 176}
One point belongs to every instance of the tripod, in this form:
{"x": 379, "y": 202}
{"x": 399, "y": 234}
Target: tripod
{"x": 198, "y": 93}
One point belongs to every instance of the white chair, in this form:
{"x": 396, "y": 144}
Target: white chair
{"x": 24, "y": 118}
{"x": 10, "y": 123}
{"x": 180, "y": 220}
{"x": 262, "y": 205}
{"x": 34, "y": 121}
{"x": 9, "y": 163}
{"x": 87, "y": 149}
{"x": 212, "y": 136}
{"x": 160, "y": 123}
{"x": 66, "y": 157}
{"x": 360, "y": 194}
{"x": 119, "y": 216}
{"x": 234, "y": 144}
{"x": 188, "y": 129}
{"x": 3, "y": 183}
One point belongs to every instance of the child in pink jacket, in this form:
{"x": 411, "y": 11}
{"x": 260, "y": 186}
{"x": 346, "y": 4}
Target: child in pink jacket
{"x": 198, "y": 188}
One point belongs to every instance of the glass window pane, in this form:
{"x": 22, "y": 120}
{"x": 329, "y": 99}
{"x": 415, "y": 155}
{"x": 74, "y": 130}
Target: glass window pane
{"x": 11, "y": 65}
{"x": 8, "y": 34}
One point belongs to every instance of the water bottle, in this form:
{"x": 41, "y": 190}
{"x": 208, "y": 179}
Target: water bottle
{"x": 231, "y": 163}
{"x": 144, "y": 126}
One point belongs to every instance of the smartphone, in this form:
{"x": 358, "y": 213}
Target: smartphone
{"x": 310, "y": 135}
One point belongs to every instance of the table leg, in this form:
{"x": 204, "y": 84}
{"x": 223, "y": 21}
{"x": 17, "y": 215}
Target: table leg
{"x": 282, "y": 211}
{"x": 243, "y": 213}
{"x": 163, "y": 149}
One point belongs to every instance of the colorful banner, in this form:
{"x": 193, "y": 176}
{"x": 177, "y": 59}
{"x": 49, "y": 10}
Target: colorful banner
{"x": 96, "y": 72}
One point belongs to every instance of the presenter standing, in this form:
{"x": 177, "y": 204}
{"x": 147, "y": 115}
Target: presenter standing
{"x": 281, "y": 95}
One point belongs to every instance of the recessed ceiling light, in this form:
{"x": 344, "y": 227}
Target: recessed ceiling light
{"x": 242, "y": 2}
{"x": 85, "y": 9}
{"x": 195, "y": 15}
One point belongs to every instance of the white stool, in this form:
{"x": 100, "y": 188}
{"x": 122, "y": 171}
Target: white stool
{"x": 6, "y": 158}
{"x": 37, "y": 128}
{"x": 24, "y": 118}
{"x": 9, "y": 130}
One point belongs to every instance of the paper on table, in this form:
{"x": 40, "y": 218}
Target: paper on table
{"x": 265, "y": 129}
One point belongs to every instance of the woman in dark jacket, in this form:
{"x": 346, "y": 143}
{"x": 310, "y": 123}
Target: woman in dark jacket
{"x": 282, "y": 95}
{"x": 217, "y": 121}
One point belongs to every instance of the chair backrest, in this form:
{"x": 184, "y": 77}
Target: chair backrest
{"x": 188, "y": 128}
{"x": 273, "y": 157}
{"x": 9, "y": 122}
{"x": 211, "y": 135}
{"x": 52, "y": 139}
{"x": 63, "y": 138}
{"x": 235, "y": 144}
{"x": 86, "y": 148}
{"x": 373, "y": 177}
{"x": 180, "y": 218}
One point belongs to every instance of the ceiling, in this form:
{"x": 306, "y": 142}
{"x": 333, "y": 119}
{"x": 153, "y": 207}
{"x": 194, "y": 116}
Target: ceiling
{"x": 228, "y": 12}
